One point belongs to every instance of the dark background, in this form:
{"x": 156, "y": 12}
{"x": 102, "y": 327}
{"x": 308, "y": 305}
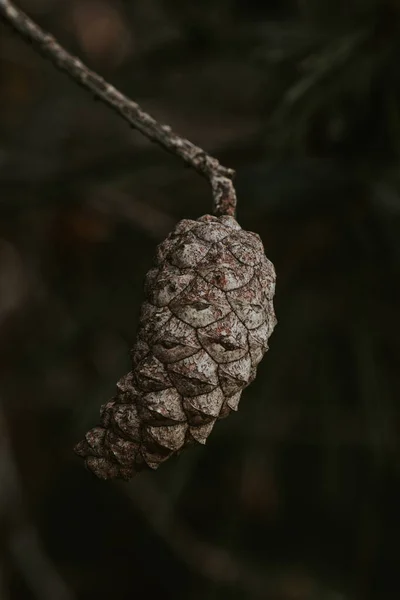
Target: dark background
{"x": 297, "y": 496}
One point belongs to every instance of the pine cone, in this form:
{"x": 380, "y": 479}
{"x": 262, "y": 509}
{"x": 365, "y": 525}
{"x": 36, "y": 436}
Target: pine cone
{"x": 204, "y": 327}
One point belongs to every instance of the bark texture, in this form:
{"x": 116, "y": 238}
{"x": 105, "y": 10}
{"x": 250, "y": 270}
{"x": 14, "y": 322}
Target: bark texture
{"x": 204, "y": 327}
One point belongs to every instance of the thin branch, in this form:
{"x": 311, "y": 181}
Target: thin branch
{"x": 219, "y": 177}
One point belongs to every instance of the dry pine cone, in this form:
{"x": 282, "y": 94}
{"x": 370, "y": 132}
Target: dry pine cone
{"x": 204, "y": 327}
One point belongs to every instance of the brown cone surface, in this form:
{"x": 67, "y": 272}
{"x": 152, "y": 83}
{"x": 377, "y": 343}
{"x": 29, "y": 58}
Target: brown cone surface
{"x": 204, "y": 327}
